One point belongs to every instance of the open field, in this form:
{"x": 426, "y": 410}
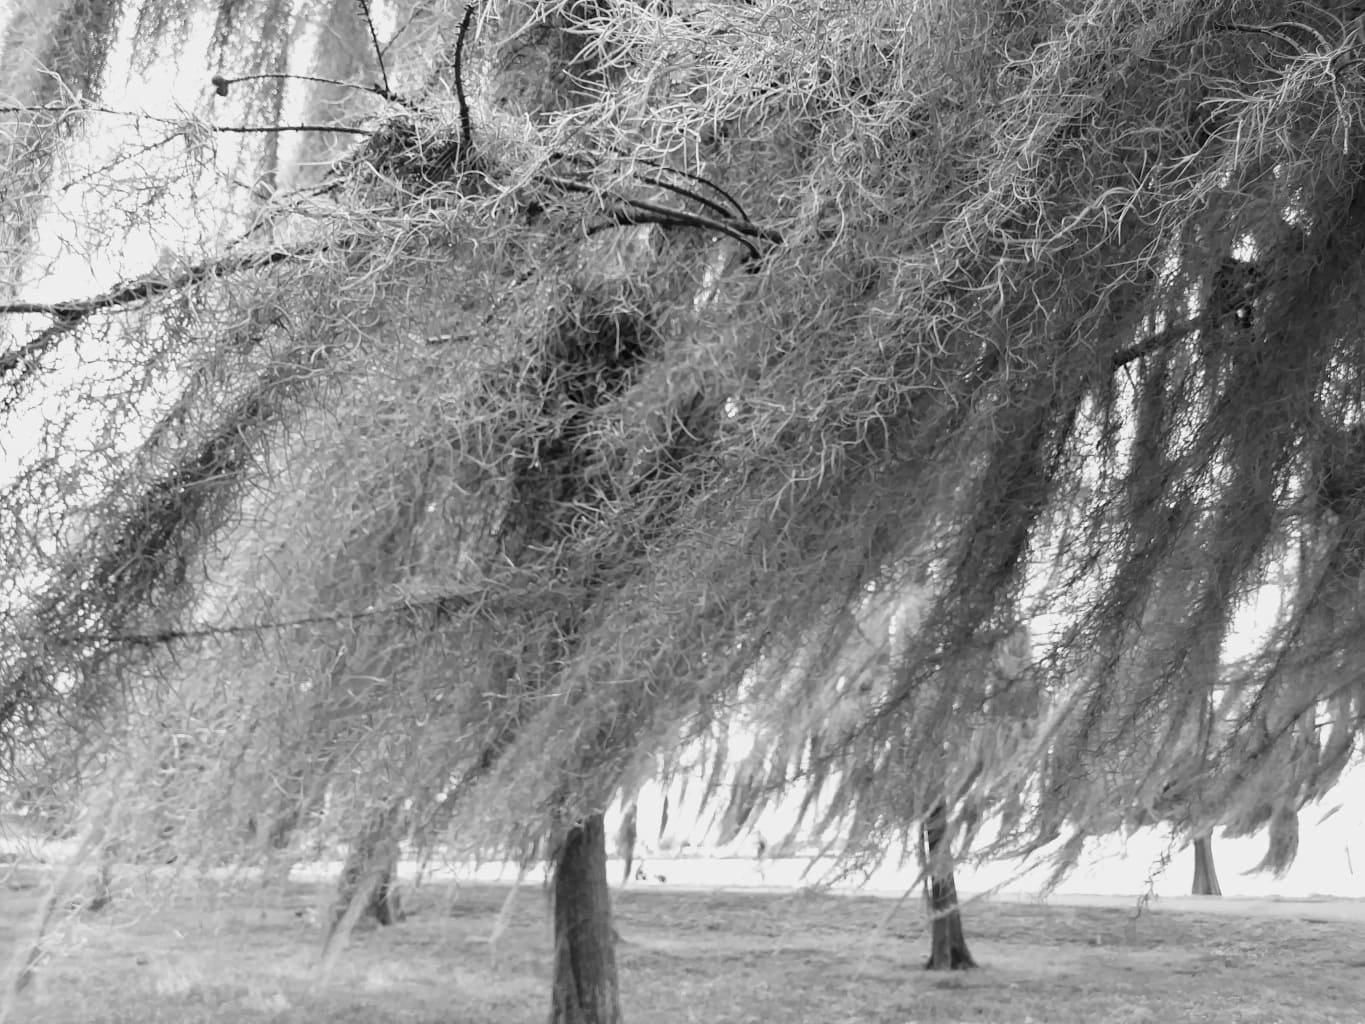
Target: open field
{"x": 692, "y": 955}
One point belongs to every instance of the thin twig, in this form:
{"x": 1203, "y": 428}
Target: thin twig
{"x": 232, "y": 129}
{"x": 248, "y": 130}
{"x": 70, "y": 312}
{"x": 736, "y": 229}
{"x": 687, "y": 193}
{"x": 623, "y": 218}
{"x": 442, "y": 605}
{"x": 743, "y": 214}
{"x": 1277, "y": 31}
{"x": 123, "y": 158}
{"x": 654, "y": 213}
{"x": 736, "y": 207}
{"x": 466, "y": 124}
{"x": 26, "y": 356}
{"x": 221, "y": 84}
{"x": 374, "y": 39}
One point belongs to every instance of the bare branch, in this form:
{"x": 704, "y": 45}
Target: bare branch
{"x": 378, "y": 51}
{"x": 487, "y": 600}
{"x": 642, "y": 211}
{"x": 222, "y": 83}
{"x": 1154, "y": 342}
{"x": 466, "y": 125}
{"x": 223, "y": 128}
{"x": 71, "y": 312}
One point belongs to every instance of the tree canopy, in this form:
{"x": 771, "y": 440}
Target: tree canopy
{"x": 602, "y": 367}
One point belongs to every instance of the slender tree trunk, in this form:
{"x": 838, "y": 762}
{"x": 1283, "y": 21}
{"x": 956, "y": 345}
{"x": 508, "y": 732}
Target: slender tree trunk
{"x": 278, "y": 858}
{"x": 368, "y": 885}
{"x": 1205, "y": 875}
{"x": 625, "y": 840}
{"x": 371, "y": 865}
{"x": 29, "y": 955}
{"x": 948, "y": 946}
{"x": 103, "y": 894}
{"x": 585, "y": 988}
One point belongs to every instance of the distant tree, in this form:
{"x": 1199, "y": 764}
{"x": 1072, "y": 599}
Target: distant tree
{"x": 625, "y": 841}
{"x": 932, "y": 813}
{"x": 1205, "y": 874}
{"x": 368, "y": 887}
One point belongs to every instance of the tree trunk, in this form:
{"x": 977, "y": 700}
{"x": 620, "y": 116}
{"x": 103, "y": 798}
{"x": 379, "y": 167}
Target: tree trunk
{"x": 625, "y": 841}
{"x": 103, "y": 894}
{"x": 371, "y": 863}
{"x": 585, "y": 989}
{"x": 1205, "y": 875}
{"x": 948, "y": 946}
{"x": 367, "y": 889}
{"x": 30, "y": 955}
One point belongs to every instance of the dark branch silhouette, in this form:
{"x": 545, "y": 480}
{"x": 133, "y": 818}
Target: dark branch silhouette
{"x": 1155, "y": 342}
{"x": 437, "y": 607}
{"x": 628, "y": 211}
{"x": 378, "y": 51}
{"x": 71, "y": 312}
{"x": 466, "y": 125}
{"x": 221, "y": 84}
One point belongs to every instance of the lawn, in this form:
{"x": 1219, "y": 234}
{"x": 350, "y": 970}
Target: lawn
{"x": 719, "y": 956}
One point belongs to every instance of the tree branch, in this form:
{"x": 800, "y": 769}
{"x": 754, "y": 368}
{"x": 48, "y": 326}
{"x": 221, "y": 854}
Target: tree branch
{"x": 631, "y": 211}
{"x": 221, "y": 84}
{"x": 438, "y": 607}
{"x": 1154, "y": 342}
{"x": 181, "y": 122}
{"x": 71, "y": 312}
{"x": 378, "y": 52}
{"x": 623, "y": 218}
{"x": 466, "y": 124}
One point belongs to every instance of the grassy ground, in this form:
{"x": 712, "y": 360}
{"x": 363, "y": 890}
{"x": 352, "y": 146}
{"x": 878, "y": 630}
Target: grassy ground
{"x": 688, "y": 956}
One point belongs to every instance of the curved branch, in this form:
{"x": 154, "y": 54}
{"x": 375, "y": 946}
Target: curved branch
{"x": 669, "y": 219}
{"x": 741, "y": 231}
{"x": 687, "y": 193}
{"x": 734, "y": 203}
{"x": 466, "y": 124}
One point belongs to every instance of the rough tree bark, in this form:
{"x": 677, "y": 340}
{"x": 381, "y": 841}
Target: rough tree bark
{"x": 1205, "y": 875}
{"x": 948, "y": 946}
{"x": 585, "y": 988}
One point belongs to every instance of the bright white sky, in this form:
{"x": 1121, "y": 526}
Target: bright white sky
{"x": 1331, "y": 858}
{"x": 82, "y": 246}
